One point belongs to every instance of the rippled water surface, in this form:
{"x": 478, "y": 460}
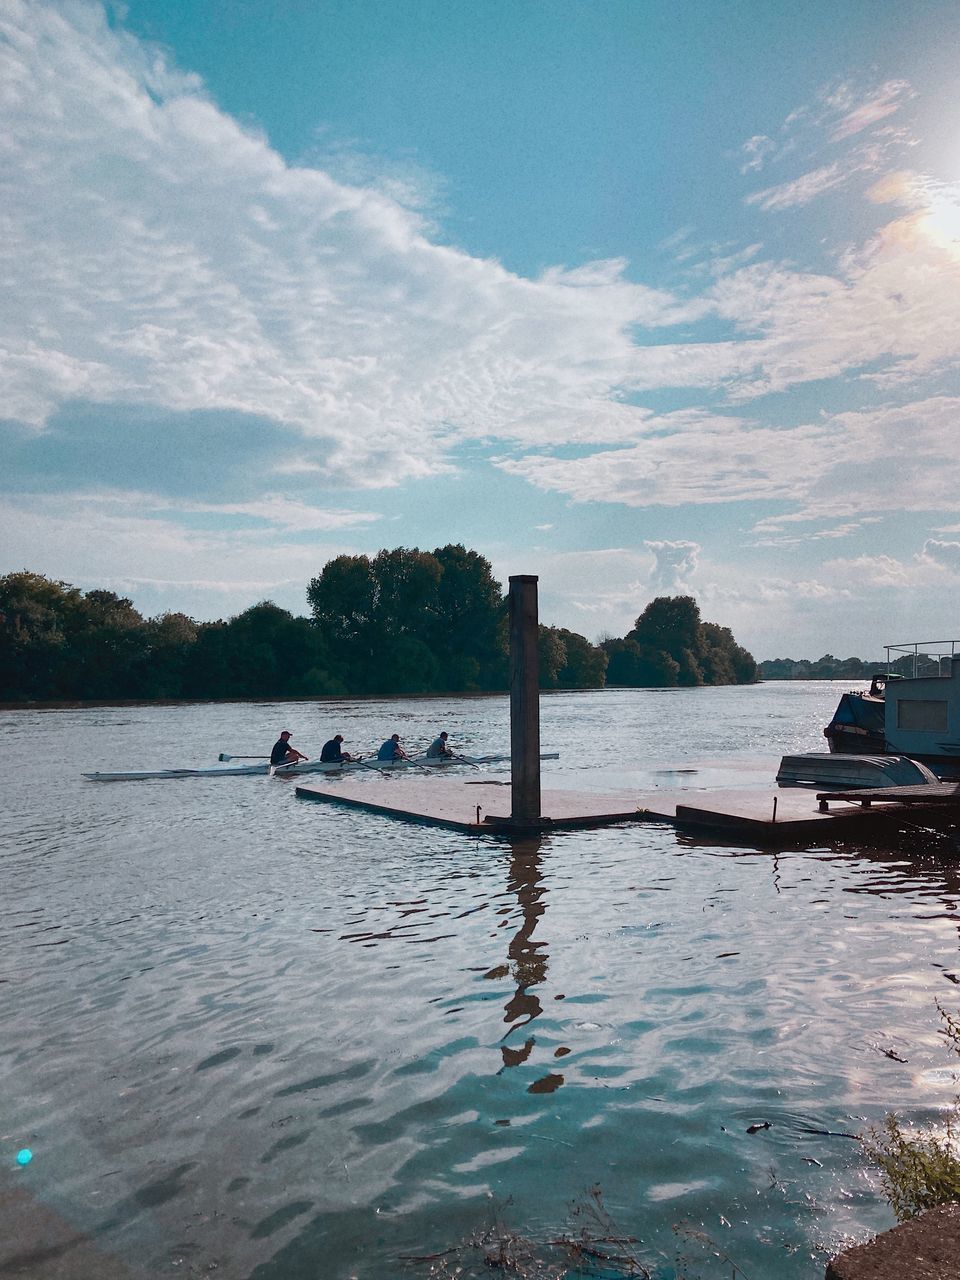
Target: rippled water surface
{"x": 253, "y": 1036}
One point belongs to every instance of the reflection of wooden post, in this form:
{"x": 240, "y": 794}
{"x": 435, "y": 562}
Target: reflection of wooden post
{"x": 524, "y": 699}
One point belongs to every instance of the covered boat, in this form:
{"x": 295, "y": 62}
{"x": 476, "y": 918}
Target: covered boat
{"x": 818, "y": 769}
{"x": 857, "y": 724}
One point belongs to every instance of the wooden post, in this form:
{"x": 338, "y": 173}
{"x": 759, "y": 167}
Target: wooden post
{"x": 524, "y": 700}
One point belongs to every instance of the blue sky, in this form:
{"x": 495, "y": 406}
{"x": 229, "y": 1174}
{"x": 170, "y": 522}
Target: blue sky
{"x": 639, "y": 297}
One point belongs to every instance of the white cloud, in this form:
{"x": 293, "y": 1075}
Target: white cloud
{"x": 674, "y": 563}
{"x": 153, "y": 250}
{"x": 690, "y": 457}
{"x": 858, "y": 110}
{"x": 800, "y": 190}
{"x": 103, "y": 543}
{"x": 285, "y": 513}
{"x": 843, "y": 465}
{"x": 756, "y": 150}
{"x": 945, "y": 554}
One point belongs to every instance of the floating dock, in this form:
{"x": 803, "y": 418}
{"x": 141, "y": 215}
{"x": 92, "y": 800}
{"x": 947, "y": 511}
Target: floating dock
{"x": 478, "y": 807}
{"x": 755, "y": 816}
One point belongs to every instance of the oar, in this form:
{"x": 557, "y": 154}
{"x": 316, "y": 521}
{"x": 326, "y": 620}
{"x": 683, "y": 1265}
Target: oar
{"x": 463, "y": 760}
{"x": 223, "y": 756}
{"x": 372, "y": 764}
{"x": 285, "y": 765}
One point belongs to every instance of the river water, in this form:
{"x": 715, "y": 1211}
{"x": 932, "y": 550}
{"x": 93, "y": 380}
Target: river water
{"x": 249, "y": 1035}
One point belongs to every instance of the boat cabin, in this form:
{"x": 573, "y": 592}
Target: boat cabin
{"x": 921, "y": 714}
{"x": 912, "y": 710}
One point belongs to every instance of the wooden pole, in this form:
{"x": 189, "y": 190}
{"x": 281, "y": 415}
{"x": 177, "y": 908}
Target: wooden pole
{"x": 524, "y": 700}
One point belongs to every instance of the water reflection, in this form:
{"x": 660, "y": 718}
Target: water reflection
{"x": 266, "y": 1048}
{"x": 526, "y": 958}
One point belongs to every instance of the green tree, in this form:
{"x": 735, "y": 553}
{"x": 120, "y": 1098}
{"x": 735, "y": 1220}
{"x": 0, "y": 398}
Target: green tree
{"x": 552, "y": 654}
{"x": 640, "y": 666}
{"x": 412, "y": 621}
{"x": 466, "y": 632}
{"x": 57, "y": 642}
{"x": 171, "y": 639}
{"x": 107, "y": 641}
{"x": 263, "y": 652}
{"x": 670, "y": 645}
{"x": 723, "y": 661}
{"x": 569, "y": 660}
{"x": 33, "y": 640}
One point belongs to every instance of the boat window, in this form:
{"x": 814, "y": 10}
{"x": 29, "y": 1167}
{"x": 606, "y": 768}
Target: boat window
{"x": 922, "y": 714}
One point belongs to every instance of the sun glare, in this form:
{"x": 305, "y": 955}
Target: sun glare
{"x": 941, "y": 222}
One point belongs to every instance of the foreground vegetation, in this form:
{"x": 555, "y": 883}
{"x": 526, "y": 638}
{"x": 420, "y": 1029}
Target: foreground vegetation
{"x": 401, "y": 622}
{"x": 920, "y": 1169}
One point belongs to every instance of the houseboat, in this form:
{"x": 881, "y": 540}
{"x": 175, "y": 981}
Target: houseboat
{"x": 911, "y": 710}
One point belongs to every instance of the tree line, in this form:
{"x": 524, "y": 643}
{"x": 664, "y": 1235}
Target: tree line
{"x": 827, "y": 668}
{"x": 403, "y": 621}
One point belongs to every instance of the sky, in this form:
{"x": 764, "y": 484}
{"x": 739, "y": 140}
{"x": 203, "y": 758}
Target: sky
{"x": 639, "y": 297}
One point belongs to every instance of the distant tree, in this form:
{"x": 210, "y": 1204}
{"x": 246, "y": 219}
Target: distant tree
{"x": 403, "y": 621}
{"x": 586, "y": 664}
{"x": 412, "y": 621}
{"x": 108, "y": 641}
{"x": 263, "y": 652}
{"x": 569, "y": 660}
{"x": 57, "y": 642}
{"x": 640, "y": 666}
{"x": 670, "y": 623}
{"x": 670, "y": 645}
{"x": 723, "y": 660}
{"x": 170, "y": 641}
{"x": 363, "y": 608}
{"x": 552, "y": 654}
{"x": 34, "y": 614}
{"x": 466, "y": 632}
{"x": 825, "y": 668}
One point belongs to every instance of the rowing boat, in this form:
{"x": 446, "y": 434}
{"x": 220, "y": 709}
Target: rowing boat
{"x": 306, "y": 766}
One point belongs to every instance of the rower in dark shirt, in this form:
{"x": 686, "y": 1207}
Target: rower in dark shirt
{"x": 331, "y": 752}
{"x": 283, "y": 753}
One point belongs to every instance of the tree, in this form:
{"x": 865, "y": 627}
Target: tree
{"x": 411, "y": 620}
{"x": 263, "y": 652}
{"x": 107, "y": 640}
{"x": 171, "y": 639}
{"x": 552, "y": 654}
{"x": 569, "y": 660}
{"x": 466, "y": 632}
{"x": 670, "y": 623}
{"x": 670, "y": 645}
{"x": 723, "y": 660}
{"x": 57, "y": 642}
{"x": 33, "y": 613}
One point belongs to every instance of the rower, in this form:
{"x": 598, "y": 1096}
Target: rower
{"x": 331, "y": 752}
{"x": 283, "y": 752}
{"x": 438, "y": 748}
{"x": 392, "y": 750}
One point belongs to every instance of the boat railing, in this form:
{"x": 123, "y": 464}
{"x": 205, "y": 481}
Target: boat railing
{"x": 923, "y": 657}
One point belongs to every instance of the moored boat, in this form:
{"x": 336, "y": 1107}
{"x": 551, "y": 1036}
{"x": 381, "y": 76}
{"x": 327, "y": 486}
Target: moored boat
{"x": 912, "y": 711}
{"x": 818, "y": 769}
